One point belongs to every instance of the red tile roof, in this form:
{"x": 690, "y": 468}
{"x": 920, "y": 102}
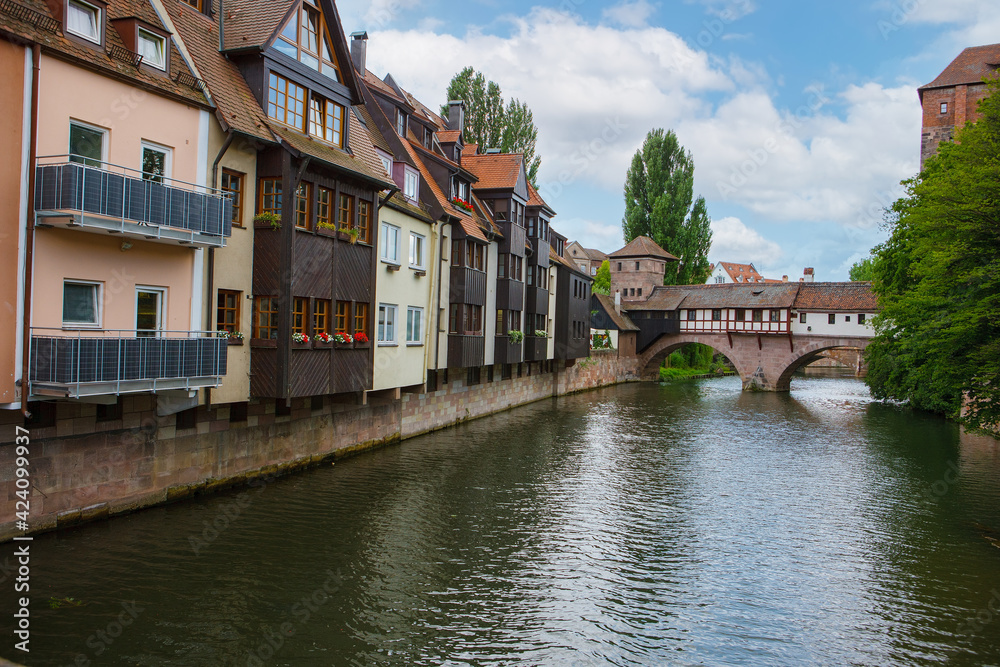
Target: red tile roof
{"x": 643, "y": 246}
{"x": 743, "y": 273}
{"x": 448, "y": 136}
{"x": 499, "y": 171}
{"x": 854, "y": 296}
{"x": 971, "y": 66}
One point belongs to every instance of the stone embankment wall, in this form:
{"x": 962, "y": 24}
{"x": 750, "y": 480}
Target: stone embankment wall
{"x": 83, "y": 467}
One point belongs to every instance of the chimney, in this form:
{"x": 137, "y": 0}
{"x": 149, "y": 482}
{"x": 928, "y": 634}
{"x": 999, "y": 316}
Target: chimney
{"x": 359, "y": 51}
{"x": 456, "y": 115}
{"x": 808, "y": 275}
{"x": 784, "y": 279}
{"x": 618, "y": 302}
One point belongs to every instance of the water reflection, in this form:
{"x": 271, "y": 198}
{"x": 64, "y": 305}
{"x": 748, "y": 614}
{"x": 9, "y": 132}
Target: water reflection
{"x": 684, "y": 524}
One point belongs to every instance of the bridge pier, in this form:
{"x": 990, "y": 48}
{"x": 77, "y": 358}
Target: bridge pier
{"x": 765, "y": 362}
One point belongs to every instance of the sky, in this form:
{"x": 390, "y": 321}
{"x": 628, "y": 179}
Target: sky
{"x": 802, "y": 117}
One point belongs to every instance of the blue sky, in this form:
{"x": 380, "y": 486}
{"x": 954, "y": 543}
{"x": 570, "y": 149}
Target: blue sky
{"x": 802, "y": 117}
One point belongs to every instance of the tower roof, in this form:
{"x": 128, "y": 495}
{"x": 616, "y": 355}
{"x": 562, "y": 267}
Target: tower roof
{"x": 643, "y": 246}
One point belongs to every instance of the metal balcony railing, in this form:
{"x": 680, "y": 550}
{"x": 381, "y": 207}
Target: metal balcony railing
{"x": 97, "y": 196}
{"x": 95, "y": 363}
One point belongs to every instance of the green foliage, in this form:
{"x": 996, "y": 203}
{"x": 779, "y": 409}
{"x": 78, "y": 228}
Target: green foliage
{"x": 694, "y": 356}
{"x": 602, "y": 281}
{"x": 938, "y": 282}
{"x": 659, "y": 192}
{"x": 863, "y": 271}
{"x": 492, "y": 123}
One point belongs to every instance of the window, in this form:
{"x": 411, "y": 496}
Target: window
{"x": 386, "y": 162}
{"x": 716, "y": 314}
{"x": 474, "y": 319}
{"x": 326, "y": 121}
{"x": 944, "y": 107}
{"x": 479, "y": 257}
{"x": 619, "y": 266}
{"x": 84, "y": 20}
{"x": 758, "y": 315}
{"x": 345, "y": 212}
{"x": 456, "y": 253}
{"x": 502, "y": 262}
{"x": 417, "y": 251}
{"x": 831, "y": 319}
{"x": 428, "y": 137}
{"x": 741, "y": 315}
{"x": 321, "y": 316}
{"x": 861, "y": 318}
{"x": 265, "y": 318}
{"x": 414, "y": 325}
{"x": 286, "y": 102}
{"x": 300, "y": 315}
{"x": 361, "y": 318}
{"x": 802, "y": 318}
{"x": 400, "y": 123}
{"x": 194, "y": 3}
{"x": 847, "y": 319}
{"x": 501, "y": 322}
{"x": 720, "y": 280}
{"x": 640, "y": 291}
{"x": 81, "y": 304}
{"x": 342, "y": 317}
{"x": 324, "y": 204}
{"x": 529, "y": 276}
{"x": 305, "y": 38}
{"x": 149, "y": 302}
{"x": 364, "y": 221}
{"x": 152, "y": 48}
{"x": 155, "y": 162}
{"x": 270, "y": 196}
{"x": 692, "y": 315}
{"x": 454, "y": 319}
{"x": 390, "y": 243}
{"x": 232, "y": 183}
{"x": 228, "y": 311}
{"x": 86, "y": 144}
{"x": 386, "y": 324}
{"x": 637, "y": 266}
{"x": 775, "y": 315}
{"x": 302, "y": 200}
{"x": 410, "y": 185}
{"x": 593, "y": 270}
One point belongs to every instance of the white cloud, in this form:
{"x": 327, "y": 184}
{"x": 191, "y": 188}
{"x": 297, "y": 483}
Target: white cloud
{"x": 733, "y": 241}
{"x": 629, "y": 13}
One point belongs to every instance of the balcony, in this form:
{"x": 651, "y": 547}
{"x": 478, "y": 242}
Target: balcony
{"x": 536, "y": 348}
{"x": 466, "y": 351}
{"x": 510, "y": 294}
{"x": 101, "y": 363}
{"x": 110, "y": 199}
{"x": 507, "y": 351}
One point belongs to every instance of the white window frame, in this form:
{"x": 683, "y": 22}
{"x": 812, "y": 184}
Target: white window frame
{"x": 411, "y": 178}
{"x": 944, "y": 107}
{"x": 387, "y": 161}
{"x": 383, "y": 324}
{"x": 84, "y": 6}
{"x": 88, "y": 126}
{"x": 161, "y": 315}
{"x": 412, "y": 311}
{"x": 386, "y": 257}
{"x": 421, "y": 240}
{"x": 155, "y": 39}
{"x": 98, "y": 298}
{"x": 168, "y": 160}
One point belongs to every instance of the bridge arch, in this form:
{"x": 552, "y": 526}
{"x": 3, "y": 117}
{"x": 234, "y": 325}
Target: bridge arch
{"x": 764, "y": 362}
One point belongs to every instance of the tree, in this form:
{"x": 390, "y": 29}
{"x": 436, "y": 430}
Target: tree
{"x": 492, "y": 123}
{"x": 937, "y": 278}
{"x": 659, "y": 190}
{"x": 602, "y": 281}
{"x": 863, "y": 270}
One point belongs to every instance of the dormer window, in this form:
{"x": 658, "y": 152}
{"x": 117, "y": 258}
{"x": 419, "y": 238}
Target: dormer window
{"x": 286, "y": 101}
{"x": 84, "y": 20}
{"x": 386, "y": 161}
{"x": 194, "y": 3}
{"x": 410, "y": 184}
{"x": 152, "y": 48}
{"x": 400, "y": 123}
{"x": 305, "y": 37}
{"x": 326, "y": 121}
{"x": 428, "y": 138}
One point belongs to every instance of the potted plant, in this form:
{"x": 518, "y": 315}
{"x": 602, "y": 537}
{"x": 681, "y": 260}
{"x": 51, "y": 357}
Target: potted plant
{"x": 322, "y": 339}
{"x": 326, "y": 228}
{"x": 267, "y": 219}
{"x": 361, "y": 338}
{"x": 234, "y": 337}
{"x": 539, "y": 333}
{"x": 462, "y": 204}
{"x": 343, "y": 338}
{"x": 300, "y": 339}
{"x": 515, "y": 336}
{"x": 344, "y": 233}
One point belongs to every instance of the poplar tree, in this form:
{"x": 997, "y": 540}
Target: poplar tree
{"x": 493, "y": 123}
{"x": 660, "y": 204}
{"x": 937, "y": 278}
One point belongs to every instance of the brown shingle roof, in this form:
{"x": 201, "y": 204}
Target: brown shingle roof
{"x": 856, "y": 296}
{"x": 54, "y": 43}
{"x": 448, "y": 136}
{"x": 338, "y": 158}
{"x": 252, "y": 23}
{"x": 643, "y": 246}
{"x": 620, "y": 319}
{"x": 499, "y": 171}
{"x": 535, "y": 199}
{"x": 377, "y": 138}
{"x": 971, "y": 66}
{"x": 757, "y": 295}
{"x": 236, "y": 106}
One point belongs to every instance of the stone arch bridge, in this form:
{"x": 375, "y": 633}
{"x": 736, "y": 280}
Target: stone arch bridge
{"x": 764, "y": 362}
{"x": 767, "y": 330}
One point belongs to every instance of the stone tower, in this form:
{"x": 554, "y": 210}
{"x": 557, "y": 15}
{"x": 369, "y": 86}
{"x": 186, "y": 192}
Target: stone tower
{"x": 637, "y": 268}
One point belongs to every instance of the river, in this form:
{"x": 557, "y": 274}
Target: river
{"x": 688, "y": 524}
